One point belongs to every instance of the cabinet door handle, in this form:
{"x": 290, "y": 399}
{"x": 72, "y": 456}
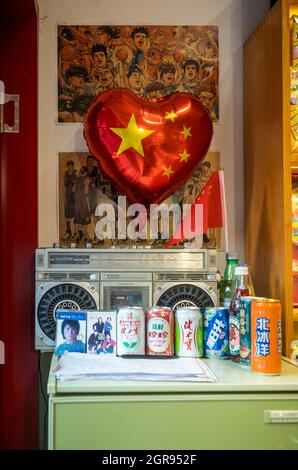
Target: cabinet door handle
{"x": 280, "y": 416}
{"x": 5, "y": 98}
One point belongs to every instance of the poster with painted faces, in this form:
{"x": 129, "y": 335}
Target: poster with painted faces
{"x": 151, "y": 61}
{"x": 83, "y": 189}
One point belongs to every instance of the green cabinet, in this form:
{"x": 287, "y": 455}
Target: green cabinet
{"x": 139, "y": 415}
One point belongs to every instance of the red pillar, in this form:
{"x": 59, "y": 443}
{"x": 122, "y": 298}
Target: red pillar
{"x": 18, "y": 231}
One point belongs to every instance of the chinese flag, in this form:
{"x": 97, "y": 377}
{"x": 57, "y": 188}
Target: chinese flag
{"x": 212, "y": 199}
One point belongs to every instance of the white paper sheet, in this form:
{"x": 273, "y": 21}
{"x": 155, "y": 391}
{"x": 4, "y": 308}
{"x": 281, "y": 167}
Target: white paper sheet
{"x": 84, "y": 366}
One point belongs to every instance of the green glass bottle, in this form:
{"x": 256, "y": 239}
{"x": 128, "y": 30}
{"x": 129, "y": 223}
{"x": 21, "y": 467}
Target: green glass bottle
{"x": 227, "y": 284}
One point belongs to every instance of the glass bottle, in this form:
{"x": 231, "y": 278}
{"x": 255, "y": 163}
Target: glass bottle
{"x": 228, "y": 283}
{"x": 241, "y": 290}
{"x": 250, "y": 284}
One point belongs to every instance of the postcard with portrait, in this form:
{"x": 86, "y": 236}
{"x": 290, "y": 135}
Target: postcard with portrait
{"x": 70, "y": 332}
{"x": 101, "y": 332}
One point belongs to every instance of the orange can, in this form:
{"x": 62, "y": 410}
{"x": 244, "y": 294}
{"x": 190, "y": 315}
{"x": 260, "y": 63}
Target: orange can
{"x": 266, "y": 336}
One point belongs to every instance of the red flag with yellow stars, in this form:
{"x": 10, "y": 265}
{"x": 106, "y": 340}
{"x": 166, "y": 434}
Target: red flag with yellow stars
{"x": 148, "y": 148}
{"x": 213, "y": 201}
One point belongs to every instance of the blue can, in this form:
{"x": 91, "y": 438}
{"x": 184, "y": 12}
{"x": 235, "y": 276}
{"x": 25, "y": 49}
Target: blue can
{"x": 216, "y": 332}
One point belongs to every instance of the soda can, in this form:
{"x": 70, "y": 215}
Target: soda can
{"x": 216, "y": 332}
{"x": 189, "y": 332}
{"x": 160, "y": 331}
{"x": 245, "y": 329}
{"x": 130, "y": 331}
{"x": 266, "y": 336}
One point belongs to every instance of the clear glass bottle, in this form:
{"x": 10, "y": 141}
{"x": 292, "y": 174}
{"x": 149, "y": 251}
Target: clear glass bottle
{"x": 250, "y": 284}
{"x": 228, "y": 283}
{"x": 241, "y": 290}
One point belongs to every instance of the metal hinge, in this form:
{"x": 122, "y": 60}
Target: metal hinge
{"x": 5, "y": 98}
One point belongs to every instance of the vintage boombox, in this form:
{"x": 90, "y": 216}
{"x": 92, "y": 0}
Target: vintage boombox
{"x": 86, "y": 279}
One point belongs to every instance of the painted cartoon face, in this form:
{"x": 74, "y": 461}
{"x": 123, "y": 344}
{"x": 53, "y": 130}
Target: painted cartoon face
{"x": 70, "y": 333}
{"x": 208, "y": 52}
{"x": 83, "y": 30}
{"x": 89, "y": 164}
{"x": 140, "y": 40}
{"x": 179, "y": 32}
{"x": 153, "y": 56}
{"x": 205, "y": 169}
{"x": 102, "y": 36}
{"x": 190, "y": 71}
{"x": 99, "y": 59}
{"x": 168, "y": 78}
{"x": 75, "y": 81}
{"x": 106, "y": 77}
{"x": 154, "y": 94}
{"x": 159, "y": 39}
{"x": 135, "y": 81}
{"x": 207, "y": 98}
{"x": 188, "y": 39}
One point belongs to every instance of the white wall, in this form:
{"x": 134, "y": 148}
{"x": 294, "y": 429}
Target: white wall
{"x": 236, "y": 20}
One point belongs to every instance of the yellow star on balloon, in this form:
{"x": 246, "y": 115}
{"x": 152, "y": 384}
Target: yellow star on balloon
{"x": 167, "y": 171}
{"x": 184, "y": 156}
{"x": 171, "y": 115}
{"x": 131, "y": 136}
{"x": 186, "y": 132}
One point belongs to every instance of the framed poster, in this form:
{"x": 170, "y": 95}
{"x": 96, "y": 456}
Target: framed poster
{"x": 151, "y": 61}
{"x": 83, "y": 187}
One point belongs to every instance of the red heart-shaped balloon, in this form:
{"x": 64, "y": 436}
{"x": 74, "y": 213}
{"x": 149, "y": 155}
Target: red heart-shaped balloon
{"x": 147, "y": 148}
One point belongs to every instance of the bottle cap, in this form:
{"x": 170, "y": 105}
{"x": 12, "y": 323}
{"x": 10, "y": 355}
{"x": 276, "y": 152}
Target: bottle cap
{"x": 241, "y": 270}
{"x": 232, "y": 255}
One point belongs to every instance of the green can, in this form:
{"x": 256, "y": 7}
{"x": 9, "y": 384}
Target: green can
{"x": 245, "y": 330}
{"x": 189, "y": 332}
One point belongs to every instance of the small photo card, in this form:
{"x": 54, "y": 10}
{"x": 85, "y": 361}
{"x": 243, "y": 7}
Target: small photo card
{"x": 101, "y": 332}
{"x": 70, "y": 332}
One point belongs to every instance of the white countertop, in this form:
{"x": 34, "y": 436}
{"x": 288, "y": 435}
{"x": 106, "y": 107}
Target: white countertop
{"x": 231, "y": 377}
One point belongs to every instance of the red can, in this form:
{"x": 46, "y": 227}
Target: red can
{"x": 160, "y": 332}
{"x": 266, "y": 336}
